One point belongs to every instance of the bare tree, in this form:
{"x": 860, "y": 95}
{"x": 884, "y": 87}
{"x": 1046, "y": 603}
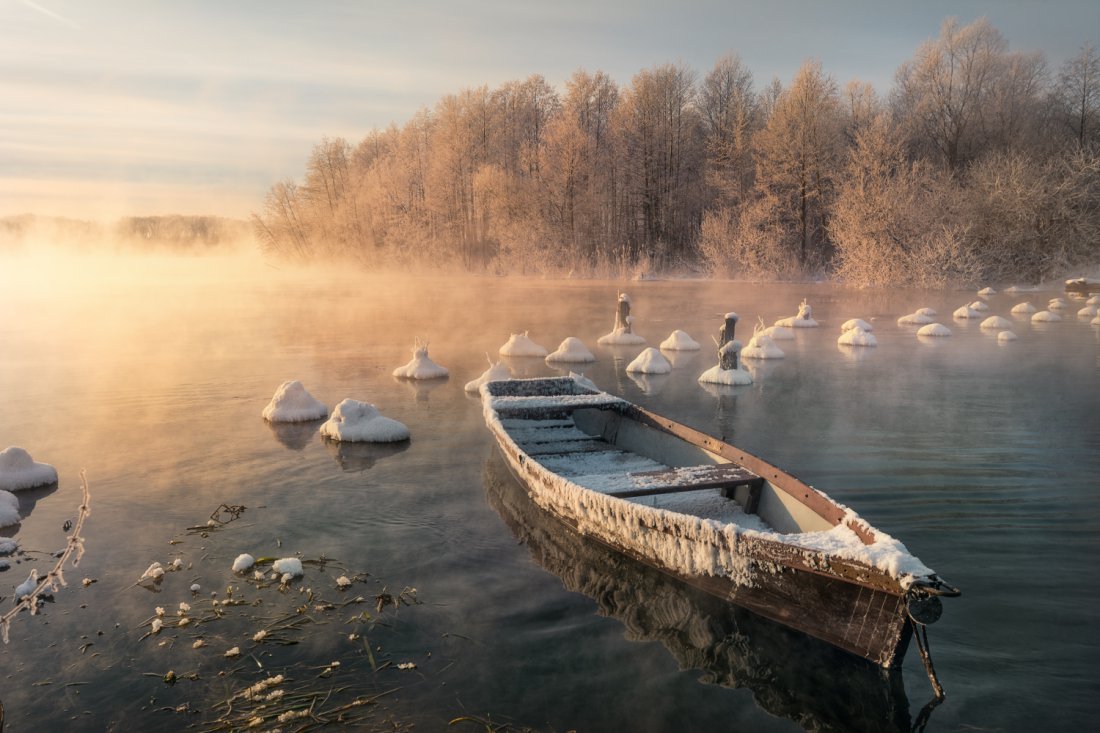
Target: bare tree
{"x": 1077, "y": 95}
{"x": 730, "y": 116}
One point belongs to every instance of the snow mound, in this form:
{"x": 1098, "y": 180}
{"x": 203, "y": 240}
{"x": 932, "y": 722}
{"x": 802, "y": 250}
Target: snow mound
{"x": 729, "y": 377}
{"x": 520, "y": 345}
{"x": 680, "y": 341}
{"x": 292, "y": 403}
{"x": 496, "y": 373}
{"x": 965, "y": 312}
{"x": 291, "y": 566}
{"x": 779, "y": 333}
{"x": 9, "y": 509}
{"x": 856, "y": 323}
{"x": 857, "y": 337}
{"x": 1057, "y": 304}
{"x": 987, "y": 291}
{"x": 1023, "y": 309}
{"x": 1095, "y": 321}
{"x": 761, "y": 346}
{"x": 996, "y": 322}
{"x": 572, "y": 351}
{"x": 19, "y": 471}
{"x": 421, "y": 367}
{"x": 804, "y": 319}
{"x": 1005, "y": 336}
{"x": 1094, "y": 300}
{"x": 934, "y": 329}
{"x": 1045, "y": 317}
{"x": 915, "y": 319}
{"x": 360, "y": 422}
{"x": 1089, "y": 311}
{"x": 243, "y": 563}
{"x": 980, "y": 305}
{"x": 927, "y": 312}
{"x": 620, "y": 337}
{"x": 650, "y": 361}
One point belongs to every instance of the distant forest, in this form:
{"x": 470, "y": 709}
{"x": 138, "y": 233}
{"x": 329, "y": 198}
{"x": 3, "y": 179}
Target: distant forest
{"x": 980, "y": 165}
{"x": 172, "y": 233}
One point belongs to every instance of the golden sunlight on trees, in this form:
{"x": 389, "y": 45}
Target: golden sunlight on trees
{"x": 980, "y": 164}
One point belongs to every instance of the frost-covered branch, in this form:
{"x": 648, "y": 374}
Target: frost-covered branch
{"x": 55, "y": 578}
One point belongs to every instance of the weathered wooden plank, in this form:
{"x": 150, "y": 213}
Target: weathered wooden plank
{"x": 692, "y": 478}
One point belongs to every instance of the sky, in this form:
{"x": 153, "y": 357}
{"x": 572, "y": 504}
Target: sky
{"x": 140, "y": 107}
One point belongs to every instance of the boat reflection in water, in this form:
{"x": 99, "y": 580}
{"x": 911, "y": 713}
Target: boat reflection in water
{"x": 790, "y": 674}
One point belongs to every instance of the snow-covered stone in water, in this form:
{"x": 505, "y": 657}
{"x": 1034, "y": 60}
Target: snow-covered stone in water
{"x": 1057, "y": 304}
{"x": 996, "y": 322}
{"x": 27, "y": 586}
{"x": 360, "y": 422}
{"x": 856, "y": 323}
{"x": 1023, "y": 309}
{"x": 1006, "y": 336}
{"x": 571, "y": 351}
{"x": 934, "y": 329}
{"x": 987, "y": 291}
{"x": 8, "y": 546}
{"x": 804, "y": 319}
{"x": 291, "y": 566}
{"x": 857, "y": 337}
{"x": 195, "y": 587}
{"x": 243, "y": 563}
{"x": 9, "y": 509}
{"x": 729, "y": 377}
{"x": 650, "y": 361}
{"x": 980, "y": 305}
{"x": 292, "y": 403}
{"x": 1094, "y": 300}
{"x": 621, "y": 337}
{"x": 915, "y": 319}
{"x": 761, "y": 346}
{"x": 421, "y": 367}
{"x": 520, "y": 345}
{"x": 1045, "y": 317}
{"x": 19, "y": 471}
{"x": 927, "y": 312}
{"x": 679, "y": 341}
{"x": 153, "y": 572}
{"x": 779, "y": 333}
{"x": 965, "y": 312}
{"x": 495, "y": 373}
{"x": 1095, "y": 321}
{"x": 1089, "y": 311}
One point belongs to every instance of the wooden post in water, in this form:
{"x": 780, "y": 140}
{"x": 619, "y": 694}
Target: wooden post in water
{"x": 727, "y": 358}
{"x": 622, "y": 314}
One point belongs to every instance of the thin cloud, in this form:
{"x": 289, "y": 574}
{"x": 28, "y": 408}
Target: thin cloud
{"x": 51, "y": 14}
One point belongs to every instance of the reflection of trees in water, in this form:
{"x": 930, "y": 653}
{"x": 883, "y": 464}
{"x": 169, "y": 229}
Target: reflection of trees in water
{"x": 361, "y": 456}
{"x": 790, "y": 675}
{"x": 295, "y": 435}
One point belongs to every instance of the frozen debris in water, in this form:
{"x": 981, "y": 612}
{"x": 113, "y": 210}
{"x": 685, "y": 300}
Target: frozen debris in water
{"x": 360, "y": 422}
{"x": 987, "y": 291}
{"x": 177, "y": 564}
{"x": 291, "y": 566}
{"x": 964, "y": 312}
{"x": 571, "y": 351}
{"x": 9, "y": 509}
{"x": 680, "y": 341}
{"x": 234, "y": 652}
{"x": 259, "y": 635}
{"x": 1005, "y": 336}
{"x": 761, "y": 345}
{"x": 199, "y": 644}
{"x": 195, "y": 587}
{"x": 19, "y": 471}
{"x": 857, "y": 337}
{"x": 158, "y": 611}
{"x": 154, "y": 572}
{"x": 495, "y": 373}
{"x": 406, "y": 665}
{"x": 421, "y": 367}
{"x": 1045, "y": 317}
{"x": 934, "y": 329}
{"x": 156, "y": 626}
{"x": 996, "y": 322}
{"x": 87, "y": 581}
{"x": 292, "y": 403}
{"x": 184, "y": 608}
{"x": 8, "y": 546}
{"x": 519, "y": 344}
{"x": 243, "y": 562}
{"x": 1023, "y": 309}
{"x": 650, "y": 361}
{"x": 856, "y": 323}
{"x": 915, "y": 319}
{"x": 343, "y": 582}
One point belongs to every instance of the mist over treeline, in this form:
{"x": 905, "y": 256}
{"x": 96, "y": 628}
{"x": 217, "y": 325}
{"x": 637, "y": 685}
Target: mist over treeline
{"x": 981, "y": 164}
{"x": 175, "y": 232}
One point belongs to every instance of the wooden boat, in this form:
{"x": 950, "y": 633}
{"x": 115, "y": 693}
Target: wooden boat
{"x": 713, "y": 516}
{"x": 1082, "y": 285}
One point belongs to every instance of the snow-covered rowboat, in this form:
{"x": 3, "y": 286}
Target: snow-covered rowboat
{"x": 713, "y": 516}
{"x": 1082, "y": 285}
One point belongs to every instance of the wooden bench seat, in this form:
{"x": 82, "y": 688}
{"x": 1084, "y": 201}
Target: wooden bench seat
{"x": 726, "y": 477}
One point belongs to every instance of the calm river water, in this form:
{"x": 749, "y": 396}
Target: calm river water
{"x": 151, "y": 373}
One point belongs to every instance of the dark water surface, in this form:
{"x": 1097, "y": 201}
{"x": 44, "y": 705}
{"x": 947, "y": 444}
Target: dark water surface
{"x": 151, "y": 373}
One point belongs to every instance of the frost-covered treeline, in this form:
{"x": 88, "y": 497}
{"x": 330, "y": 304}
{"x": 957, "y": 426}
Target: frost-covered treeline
{"x": 981, "y": 163}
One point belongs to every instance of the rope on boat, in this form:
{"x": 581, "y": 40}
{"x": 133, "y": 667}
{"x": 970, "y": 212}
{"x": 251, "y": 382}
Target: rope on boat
{"x": 920, "y": 631}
